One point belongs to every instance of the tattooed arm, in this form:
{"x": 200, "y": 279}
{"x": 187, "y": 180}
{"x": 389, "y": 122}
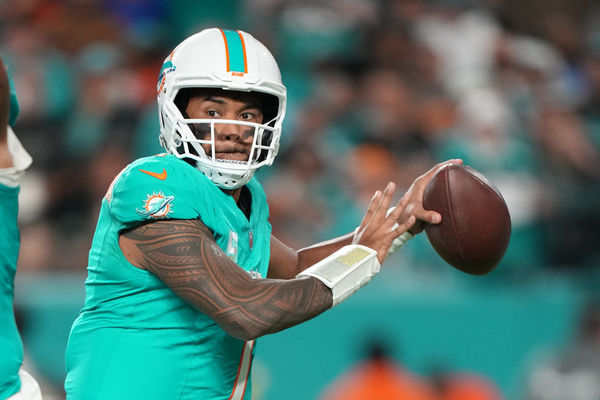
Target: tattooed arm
{"x": 185, "y": 256}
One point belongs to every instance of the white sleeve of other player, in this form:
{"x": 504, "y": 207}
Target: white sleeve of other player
{"x": 30, "y": 390}
{"x": 21, "y": 161}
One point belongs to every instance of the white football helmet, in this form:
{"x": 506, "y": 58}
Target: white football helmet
{"x": 229, "y": 60}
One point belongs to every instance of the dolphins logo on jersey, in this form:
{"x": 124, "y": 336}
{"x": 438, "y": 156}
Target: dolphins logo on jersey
{"x": 156, "y": 205}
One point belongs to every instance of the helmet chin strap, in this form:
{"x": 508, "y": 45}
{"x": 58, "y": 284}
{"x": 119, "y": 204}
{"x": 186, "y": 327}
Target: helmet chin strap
{"x": 223, "y": 179}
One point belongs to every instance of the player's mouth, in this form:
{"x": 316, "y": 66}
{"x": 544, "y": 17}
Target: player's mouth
{"x": 233, "y": 154}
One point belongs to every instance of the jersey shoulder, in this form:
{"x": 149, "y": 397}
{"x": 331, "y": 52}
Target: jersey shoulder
{"x": 156, "y": 187}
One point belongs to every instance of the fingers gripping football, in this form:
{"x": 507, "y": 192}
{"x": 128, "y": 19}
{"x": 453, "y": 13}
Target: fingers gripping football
{"x": 379, "y": 228}
{"x": 414, "y": 201}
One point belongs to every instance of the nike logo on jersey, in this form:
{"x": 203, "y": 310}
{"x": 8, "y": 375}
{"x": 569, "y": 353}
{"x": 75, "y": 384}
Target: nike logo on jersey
{"x": 162, "y": 176}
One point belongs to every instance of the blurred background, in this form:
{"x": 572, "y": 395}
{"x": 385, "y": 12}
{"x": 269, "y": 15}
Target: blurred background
{"x": 378, "y": 90}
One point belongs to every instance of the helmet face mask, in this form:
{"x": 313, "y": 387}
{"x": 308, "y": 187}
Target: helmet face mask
{"x": 205, "y": 60}
{"x": 199, "y": 145}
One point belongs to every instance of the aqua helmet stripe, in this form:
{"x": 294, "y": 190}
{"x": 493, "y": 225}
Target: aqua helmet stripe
{"x": 235, "y": 51}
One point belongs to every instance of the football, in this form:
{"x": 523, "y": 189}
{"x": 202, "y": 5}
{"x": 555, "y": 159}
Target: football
{"x": 475, "y": 229}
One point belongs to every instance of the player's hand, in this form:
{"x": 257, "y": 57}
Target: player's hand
{"x": 413, "y": 200}
{"x": 379, "y": 228}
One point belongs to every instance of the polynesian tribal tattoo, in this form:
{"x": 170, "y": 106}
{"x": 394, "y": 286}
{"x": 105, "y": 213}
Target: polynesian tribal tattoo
{"x": 185, "y": 256}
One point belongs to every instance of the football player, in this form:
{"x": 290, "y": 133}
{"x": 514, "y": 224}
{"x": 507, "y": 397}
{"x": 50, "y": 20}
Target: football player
{"x": 184, "y": 273}
{"x": 15, "y": 382}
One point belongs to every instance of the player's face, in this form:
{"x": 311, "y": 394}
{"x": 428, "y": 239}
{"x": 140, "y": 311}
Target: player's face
{"x": 232, "y": 141}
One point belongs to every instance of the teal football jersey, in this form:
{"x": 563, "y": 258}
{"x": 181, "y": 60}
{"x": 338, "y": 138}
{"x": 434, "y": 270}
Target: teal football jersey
{"x": 134, "y": 337}
{"x": 11, "y": 347}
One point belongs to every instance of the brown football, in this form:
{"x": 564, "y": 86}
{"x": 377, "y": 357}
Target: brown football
{"x": 475, "y": 229}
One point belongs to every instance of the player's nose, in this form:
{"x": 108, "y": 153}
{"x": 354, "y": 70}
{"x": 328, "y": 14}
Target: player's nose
{"x": 235, "y": 132}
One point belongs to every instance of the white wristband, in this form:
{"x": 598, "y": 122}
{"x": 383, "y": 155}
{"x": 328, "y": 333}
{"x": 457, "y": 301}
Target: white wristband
{"x": 345, "y": 271}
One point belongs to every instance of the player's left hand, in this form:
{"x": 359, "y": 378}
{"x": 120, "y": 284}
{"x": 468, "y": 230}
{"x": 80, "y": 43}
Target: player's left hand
{"x": 413, "y": 199}
{"x": 379, "y": 228}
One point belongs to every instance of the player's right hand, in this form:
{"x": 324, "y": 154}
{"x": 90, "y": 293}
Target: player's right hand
{"x": 414, "y": 200}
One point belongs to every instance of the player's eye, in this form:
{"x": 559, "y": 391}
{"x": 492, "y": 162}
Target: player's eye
{"x": 213, "y": 113}
{"x": 249, "y": 116}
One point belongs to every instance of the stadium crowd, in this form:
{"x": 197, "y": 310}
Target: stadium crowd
{"x": 377, "y": 91}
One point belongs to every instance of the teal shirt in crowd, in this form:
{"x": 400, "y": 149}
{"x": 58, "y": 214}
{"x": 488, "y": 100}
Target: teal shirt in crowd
{"x": 135, "y": 338}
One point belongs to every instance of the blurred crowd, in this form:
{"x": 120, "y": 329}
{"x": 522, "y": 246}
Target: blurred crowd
{"x": 379, "y": 375}
{"x": 378, "y": 90}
